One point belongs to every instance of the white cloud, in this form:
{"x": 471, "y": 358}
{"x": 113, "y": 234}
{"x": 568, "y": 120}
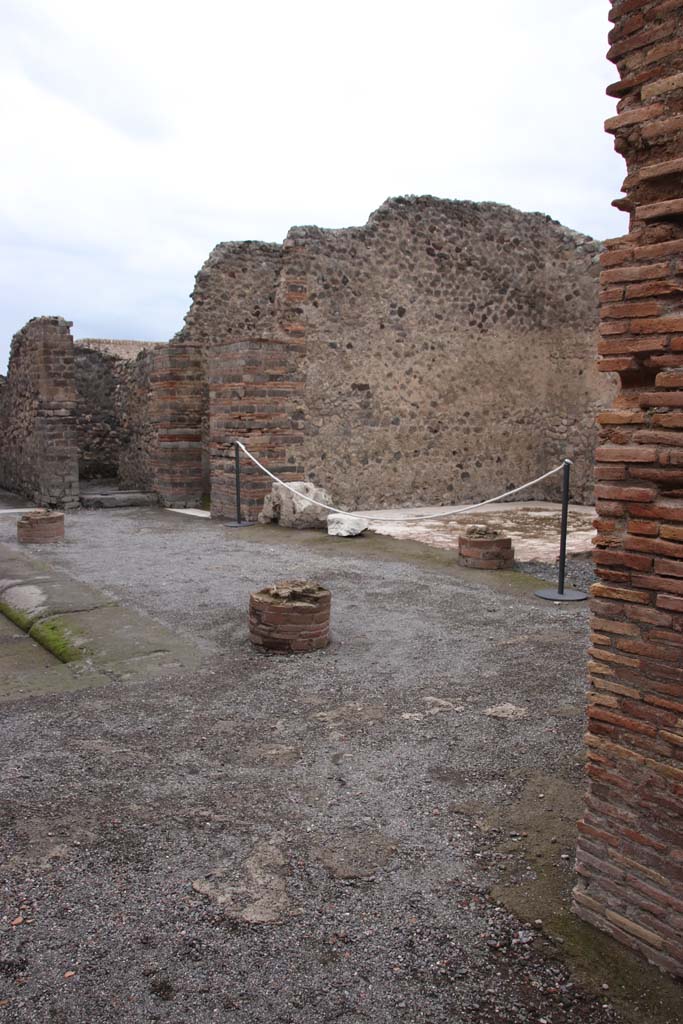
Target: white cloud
{"x": 141, "y": 134}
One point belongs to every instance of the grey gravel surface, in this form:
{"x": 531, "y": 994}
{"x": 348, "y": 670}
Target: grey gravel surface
{"x": 579, "y": 572}
{"x": 279, "y": 839}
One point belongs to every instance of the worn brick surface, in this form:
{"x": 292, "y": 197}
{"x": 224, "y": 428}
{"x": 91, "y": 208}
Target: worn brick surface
{"x": 634, "y": 805}
{"x": 38, "y": 441}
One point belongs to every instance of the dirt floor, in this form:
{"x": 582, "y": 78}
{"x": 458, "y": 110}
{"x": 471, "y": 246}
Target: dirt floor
{"x": 382, "y": 831}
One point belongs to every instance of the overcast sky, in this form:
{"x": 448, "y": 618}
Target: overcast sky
{"x": 137, "y": 135}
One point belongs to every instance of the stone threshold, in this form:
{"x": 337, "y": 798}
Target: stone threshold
{"x": 57, "y": 634}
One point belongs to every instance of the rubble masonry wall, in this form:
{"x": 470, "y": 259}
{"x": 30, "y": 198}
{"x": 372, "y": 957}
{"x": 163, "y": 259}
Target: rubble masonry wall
{"x": 443, "y": 352}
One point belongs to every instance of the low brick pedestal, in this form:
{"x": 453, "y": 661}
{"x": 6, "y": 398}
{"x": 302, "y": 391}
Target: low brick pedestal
{"x": 290, "y": 617}
{"x": 482, "y": 547}
{"x": 40, "y": 527}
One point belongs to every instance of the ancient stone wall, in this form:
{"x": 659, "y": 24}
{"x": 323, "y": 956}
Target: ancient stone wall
{"x": 85, "y": 410}
{"x": 448, "y": 353}
{"x": 38, "y": 445}
{"x": 99, "y": 379}
{"x": 441, "y": 353}
{"x": 630, "y": 852}
{"x": 139, "y": 416}
{"x": 138, "y": 432}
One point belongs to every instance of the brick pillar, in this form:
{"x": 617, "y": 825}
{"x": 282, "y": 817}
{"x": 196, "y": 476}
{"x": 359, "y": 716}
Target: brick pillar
{"x": 256, "y": 394}
{"x": 630, "y": 849}
{"x": 55, "y": 426}
{"x": 177, "y": 399}
{"x": 252, "y": 384}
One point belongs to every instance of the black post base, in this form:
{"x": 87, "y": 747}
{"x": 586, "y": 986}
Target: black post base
{"x": 235, "y": 525}
{"x": 555, "y": 595}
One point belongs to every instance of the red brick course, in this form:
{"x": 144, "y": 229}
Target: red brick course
{"x": 485, "y": 552}
{"x": 630, "y": 847}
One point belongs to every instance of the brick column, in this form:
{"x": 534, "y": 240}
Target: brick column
{"x": 252, "y": 384}
{"x": 177, "y": 399}
{"x": 55, "y": 425}
{"x": 256, "y": 394}
{"x": 630, "y": 850}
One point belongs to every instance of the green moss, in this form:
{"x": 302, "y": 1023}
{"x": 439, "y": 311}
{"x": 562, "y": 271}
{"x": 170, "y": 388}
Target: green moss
{"x": 56, "y": 638}
{"x": 205, "y": 503}
{"x": 16, "y": 616}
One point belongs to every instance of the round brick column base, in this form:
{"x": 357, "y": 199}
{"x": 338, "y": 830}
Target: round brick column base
{"x": 40, "y": 527}
{"x": 491, "y": 552}
{"x": 291, "y": 617}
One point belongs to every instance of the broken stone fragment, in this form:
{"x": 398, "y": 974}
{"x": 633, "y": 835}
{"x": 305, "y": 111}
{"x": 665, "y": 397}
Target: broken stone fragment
{"x": 506, "y": 710}
{"x": 345, "y": 526}
{"x": 481, "y": 530}
{"x": 296, "y": 511}
{"x": 254, "y": 891}
{"x": 290, "y": 591}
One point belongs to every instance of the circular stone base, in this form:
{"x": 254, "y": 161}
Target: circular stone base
{"x": 485, "y": 552}
{"x": 555, "y": 595}
{"x": 40, "y": 527}
{"x": 291, "y": 617}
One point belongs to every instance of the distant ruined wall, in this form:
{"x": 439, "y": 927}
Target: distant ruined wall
{"x": 139, "y": 416}
{"x": 99, "y": 378}
{"x": 85, "y": 410}
{"x": 38, "y": 444}
{"x": 448, "y": 353}
{"x": 139, "y": 436}
{"x": 120, "y": 348}
{"x": 441, "y": 353}
{"x": 630, "y": 850}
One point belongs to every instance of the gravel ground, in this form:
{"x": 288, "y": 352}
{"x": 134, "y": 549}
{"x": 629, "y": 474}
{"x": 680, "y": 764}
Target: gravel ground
{"x": 579, "y": 572}
{"x": 303, "y": 839}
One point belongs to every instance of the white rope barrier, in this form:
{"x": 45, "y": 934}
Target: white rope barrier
{"x": 393, "y": 519}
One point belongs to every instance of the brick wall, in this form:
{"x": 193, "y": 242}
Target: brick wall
{"x": 177, "y": 397}
{"x": 630, "y": 851}
{"x": 138, "y": 432}
{"x": 441, "y": 352}
{"x": 99, "y": 379}
{"x": 86, "y": 410}
{"x": 244, "y": 323}
{"x": 38, "y": 443}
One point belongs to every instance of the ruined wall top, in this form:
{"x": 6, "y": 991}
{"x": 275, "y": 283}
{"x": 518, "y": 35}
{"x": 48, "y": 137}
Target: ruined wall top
{"x": 485, "y": 252}
{"x": 488, "y": 262}
{"x": 121, "y": 348}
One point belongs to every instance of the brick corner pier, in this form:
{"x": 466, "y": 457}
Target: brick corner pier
{"x": 630, "y": 849}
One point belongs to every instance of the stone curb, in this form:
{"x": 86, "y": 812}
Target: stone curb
{"x": 60, "y": 634}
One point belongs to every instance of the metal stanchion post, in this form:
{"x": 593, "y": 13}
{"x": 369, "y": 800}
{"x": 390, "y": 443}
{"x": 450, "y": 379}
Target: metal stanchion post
{"x": 238, "y": 491}
{"x": 238, "y": 496}
{"x": 561, "y": 594}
